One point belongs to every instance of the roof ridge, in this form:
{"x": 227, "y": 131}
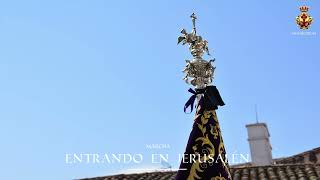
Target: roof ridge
{"x": 276, "y": 165}
{"x": 317, "y": 149}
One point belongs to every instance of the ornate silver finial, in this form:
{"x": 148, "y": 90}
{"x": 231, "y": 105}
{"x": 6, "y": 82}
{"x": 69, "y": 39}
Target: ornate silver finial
{"x": 194, "y": 17}
{"x": 199, "y": 70}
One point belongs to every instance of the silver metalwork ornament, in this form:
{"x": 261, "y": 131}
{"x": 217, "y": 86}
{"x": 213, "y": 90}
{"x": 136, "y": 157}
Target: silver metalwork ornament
{"x": 198, "y": 70}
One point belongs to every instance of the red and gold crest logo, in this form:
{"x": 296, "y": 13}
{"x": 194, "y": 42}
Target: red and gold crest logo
{"x": 304, "y": 20}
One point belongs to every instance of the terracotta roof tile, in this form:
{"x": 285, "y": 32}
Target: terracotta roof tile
{"x": 272, "y": 172}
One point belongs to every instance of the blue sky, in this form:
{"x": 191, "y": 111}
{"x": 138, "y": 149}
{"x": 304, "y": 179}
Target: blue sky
{"x": 105, "y": 77}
